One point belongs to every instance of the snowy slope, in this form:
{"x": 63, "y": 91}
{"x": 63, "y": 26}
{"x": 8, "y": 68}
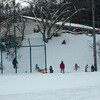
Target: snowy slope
{"x": 69, "y": 86}
{"x": 77, "y": 50}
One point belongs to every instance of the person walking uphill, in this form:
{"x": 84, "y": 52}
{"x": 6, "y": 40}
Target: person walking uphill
{"x": 62, "y": 67}
{"x": 15, "y": 62}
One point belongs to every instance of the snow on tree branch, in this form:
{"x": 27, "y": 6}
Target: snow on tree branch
{"x": 50, "y": 12}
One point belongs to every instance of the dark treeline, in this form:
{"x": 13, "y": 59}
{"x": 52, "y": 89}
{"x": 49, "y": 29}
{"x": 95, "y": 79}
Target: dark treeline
{"x": 85, "y": 17}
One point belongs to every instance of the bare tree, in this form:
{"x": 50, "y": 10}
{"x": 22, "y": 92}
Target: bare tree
{"x": 7, "y": 32}
{"x": 21, "y": 28}
{"x": 50, "y": 12}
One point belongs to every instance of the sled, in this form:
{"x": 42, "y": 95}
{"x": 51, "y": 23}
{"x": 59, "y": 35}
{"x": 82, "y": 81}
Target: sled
{"x": 36, "y": 69}
{"x": 44, "y": 71}
{"x": 39, "y": 70}
{"x": 78, "y": 66}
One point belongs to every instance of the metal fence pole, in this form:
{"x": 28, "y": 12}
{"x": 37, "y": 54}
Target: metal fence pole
{"x": 94, "y": 35}
{"x": 1, "y": 62}
{"x": 15, "y": 34}
{"x": 30, "y": 57}
{"x": 15, "y": 45}
{"x": 45, "y": 56}
{"x": 30, "y": 61}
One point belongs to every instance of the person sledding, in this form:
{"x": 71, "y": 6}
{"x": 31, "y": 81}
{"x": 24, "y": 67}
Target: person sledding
{"x": 51, "y": 69}
{"x": 63, "y": 42}
{"x": 38, "y": 69}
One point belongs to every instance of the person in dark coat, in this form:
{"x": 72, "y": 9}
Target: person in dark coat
{"x": 62, "y": 67}
{"x": 51, "y": 69}
{"x": 92, "y": 68}
{"x": 15, "y": 62}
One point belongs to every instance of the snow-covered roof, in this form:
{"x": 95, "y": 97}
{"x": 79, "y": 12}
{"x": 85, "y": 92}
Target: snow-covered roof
{"x": 77, "y": 26}
{"x": 32, "y": 18}
{"x": 74, "y": 25}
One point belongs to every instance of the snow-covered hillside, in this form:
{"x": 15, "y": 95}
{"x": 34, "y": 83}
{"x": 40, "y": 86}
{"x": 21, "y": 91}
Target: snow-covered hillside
{"x": 56, "y": 86}
{"x": 77, "y": 50}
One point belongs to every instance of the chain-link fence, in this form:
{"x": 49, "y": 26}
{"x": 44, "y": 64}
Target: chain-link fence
{"x": 29, "y": 52}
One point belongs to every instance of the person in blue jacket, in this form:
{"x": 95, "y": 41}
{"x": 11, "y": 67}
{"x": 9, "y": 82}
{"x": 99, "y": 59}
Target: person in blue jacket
{"x": 36, "y": 66}
{"x": 38, "y": 69}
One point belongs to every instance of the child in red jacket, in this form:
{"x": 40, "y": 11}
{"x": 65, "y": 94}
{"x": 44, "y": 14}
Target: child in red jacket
{"x": 63, "y": 42}
{"x": 76, "y": 67}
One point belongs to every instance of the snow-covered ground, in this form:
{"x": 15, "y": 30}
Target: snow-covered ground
{"x": 56, "y": 86}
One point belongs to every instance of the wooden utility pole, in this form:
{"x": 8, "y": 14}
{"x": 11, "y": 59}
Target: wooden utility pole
{"x": 94, "y": 35}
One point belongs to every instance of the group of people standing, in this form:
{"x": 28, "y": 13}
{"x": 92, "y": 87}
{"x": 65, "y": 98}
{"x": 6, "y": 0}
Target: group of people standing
{"x": 92, "y": 68}
{"x": 62, "y": 67}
